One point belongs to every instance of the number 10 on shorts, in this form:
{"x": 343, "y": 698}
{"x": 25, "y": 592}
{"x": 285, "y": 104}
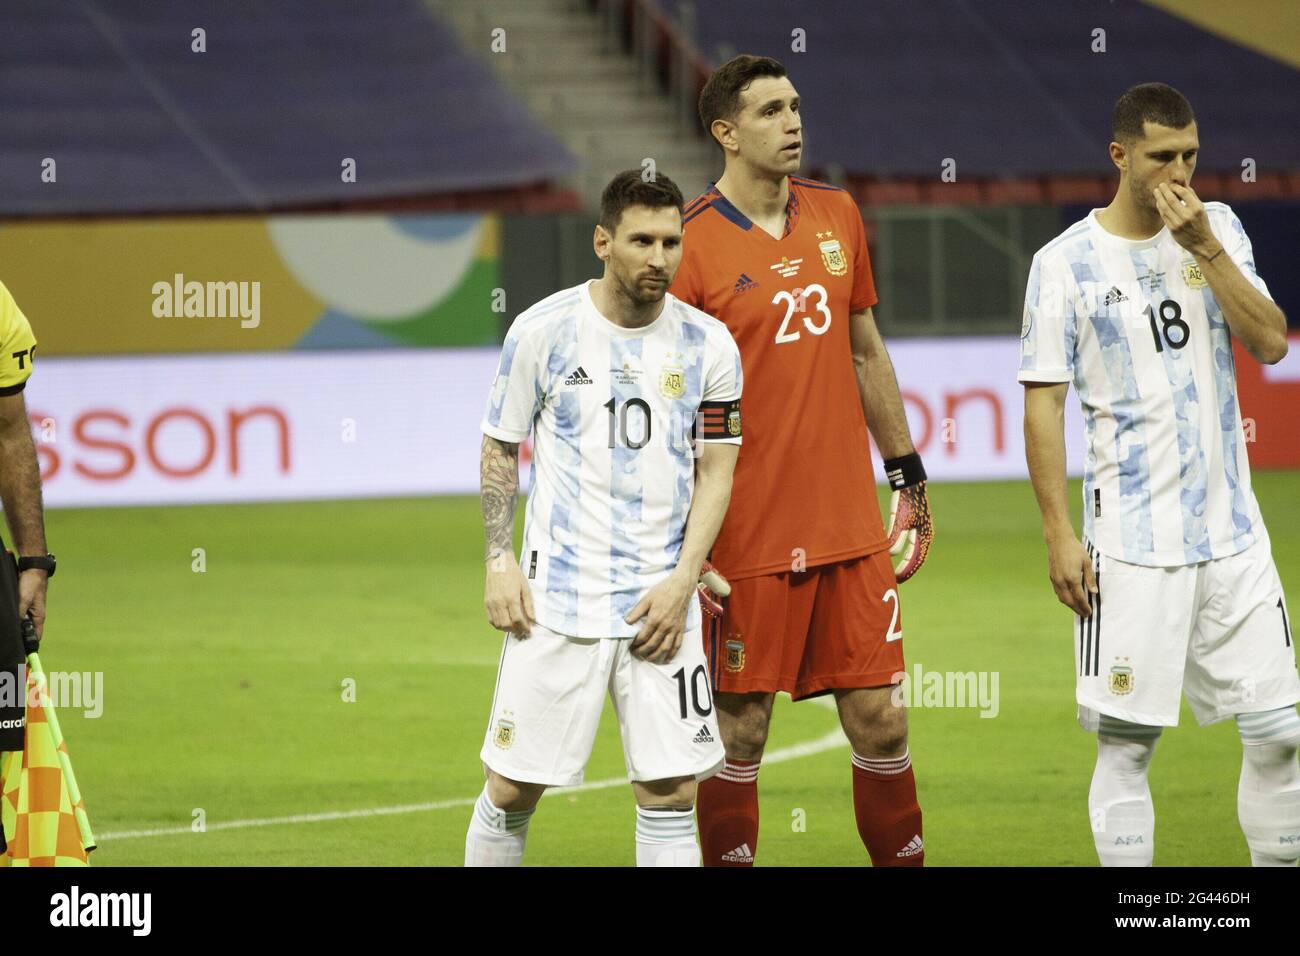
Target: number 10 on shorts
{"x": 698, "y": 676}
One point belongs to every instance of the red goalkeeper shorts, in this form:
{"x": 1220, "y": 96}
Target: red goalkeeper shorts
{"x": 832, "y": 626}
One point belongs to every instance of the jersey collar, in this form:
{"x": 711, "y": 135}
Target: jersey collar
{"x": 734, "y": 215}
{"x": 1119, "y": 242}
{"x": 613, "y": 328}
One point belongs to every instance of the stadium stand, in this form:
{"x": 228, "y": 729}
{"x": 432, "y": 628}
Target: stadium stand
{"x": 613, "y": 81}
{"x": 110, "y": 92}
{"x": 1013, "y": 72}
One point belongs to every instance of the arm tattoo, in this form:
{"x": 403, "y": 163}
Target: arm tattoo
{"x": 499, "y": 491}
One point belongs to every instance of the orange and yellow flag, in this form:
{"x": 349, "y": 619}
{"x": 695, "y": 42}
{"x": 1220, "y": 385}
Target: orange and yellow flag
{"x": 45, "y": 821}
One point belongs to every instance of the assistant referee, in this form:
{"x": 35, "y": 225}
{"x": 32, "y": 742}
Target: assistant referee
{"x": 22, "y": 583}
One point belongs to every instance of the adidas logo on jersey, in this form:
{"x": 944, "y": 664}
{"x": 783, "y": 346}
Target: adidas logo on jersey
{"x": 741, "y": 854}
{"x": 744, "y": 284}
{"x": 703, "y": 737}
{"x": 578, "y": 377}
{"x": 914, "y": 846}
{"x": 1114, "y": 297}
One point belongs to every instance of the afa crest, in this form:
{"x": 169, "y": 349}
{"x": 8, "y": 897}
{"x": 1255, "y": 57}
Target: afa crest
{"x": 735, "y": 656}
{"x": 505, "y": 734}
{"x": 672, "y": 382}
{"x": 1193, "y": 276}
{"x": 832, "y": 255}
{"x": 1121, "y": 680}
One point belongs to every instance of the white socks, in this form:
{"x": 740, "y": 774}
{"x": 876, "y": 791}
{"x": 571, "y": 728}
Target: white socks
{"x": 1119, "y": 803}
{"x": 1268, "y": 796}
{"x": 666, "y": 837}
{"x": 496, "y": 837}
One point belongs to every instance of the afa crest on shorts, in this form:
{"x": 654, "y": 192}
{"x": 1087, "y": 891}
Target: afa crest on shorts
{"x": 1121, "y": 679}
{"x": 735, "y": 656}
{"x": 832, "y": 254}
{"x": 505, "y": 735}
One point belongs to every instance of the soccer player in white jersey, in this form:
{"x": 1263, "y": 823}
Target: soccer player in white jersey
{"x": 633, "y": 398}
{"x": 1174, "y": 585}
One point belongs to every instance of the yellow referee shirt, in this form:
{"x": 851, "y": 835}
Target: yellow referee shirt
{"x": 17, "y": 345}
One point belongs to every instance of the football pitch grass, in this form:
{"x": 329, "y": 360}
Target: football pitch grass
{"x": 224, "y": 696}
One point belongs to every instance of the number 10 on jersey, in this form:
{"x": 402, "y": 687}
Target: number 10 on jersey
{"x": 618, "y": 430}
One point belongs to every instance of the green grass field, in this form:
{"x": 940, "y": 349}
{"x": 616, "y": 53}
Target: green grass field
{"x": 223, "y": 691}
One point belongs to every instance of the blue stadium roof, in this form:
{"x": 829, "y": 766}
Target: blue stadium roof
{"x": 136, "y": 121}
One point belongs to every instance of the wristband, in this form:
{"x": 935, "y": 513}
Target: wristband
{"x": 904, "y": 471}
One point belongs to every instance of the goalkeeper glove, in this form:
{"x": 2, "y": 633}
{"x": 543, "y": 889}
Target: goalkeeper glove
{"x": 911, "y": 529}
{"x": 713, "y": 587}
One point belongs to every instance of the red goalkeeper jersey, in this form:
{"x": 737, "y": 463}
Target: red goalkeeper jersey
{"x": 804, "y": 488}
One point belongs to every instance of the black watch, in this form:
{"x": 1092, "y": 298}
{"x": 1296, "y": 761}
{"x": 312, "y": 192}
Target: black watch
{"x": 44, "y": 563}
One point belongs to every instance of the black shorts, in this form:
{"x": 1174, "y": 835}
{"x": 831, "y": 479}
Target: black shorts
{"x": 13, "y": 673}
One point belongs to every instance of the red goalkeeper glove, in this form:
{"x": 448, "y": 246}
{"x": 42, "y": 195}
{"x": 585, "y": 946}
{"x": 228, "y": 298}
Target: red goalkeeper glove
{"x": 911, "y": 530}
{"x": 713, "y": 587}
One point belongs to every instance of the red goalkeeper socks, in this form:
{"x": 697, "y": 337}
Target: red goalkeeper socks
{"x": 727, "y": 807}
{"x": 889, "y": 818}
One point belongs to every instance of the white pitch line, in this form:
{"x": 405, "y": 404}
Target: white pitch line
{"x": 826, "y": 742}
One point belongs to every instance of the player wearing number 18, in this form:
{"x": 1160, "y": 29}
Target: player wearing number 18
{"x": 1174, "y": 586}
{"x": 633, "y": 399}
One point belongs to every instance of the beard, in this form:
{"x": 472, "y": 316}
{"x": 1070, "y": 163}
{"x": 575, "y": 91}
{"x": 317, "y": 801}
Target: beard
{"x": 1142, "y": 197}
{"x": 642, "y": 294}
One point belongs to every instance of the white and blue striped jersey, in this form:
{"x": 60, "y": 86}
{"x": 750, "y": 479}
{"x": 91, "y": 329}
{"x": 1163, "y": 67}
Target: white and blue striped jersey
{"x": 1134, "y": 325}
{"x": 615, "y": 413}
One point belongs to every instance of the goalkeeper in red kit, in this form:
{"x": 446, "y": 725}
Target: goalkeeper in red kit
{"x": 814, "y": 605}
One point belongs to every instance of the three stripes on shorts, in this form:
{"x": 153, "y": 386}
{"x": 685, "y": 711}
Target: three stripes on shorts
{"x": 1090, "y": 627}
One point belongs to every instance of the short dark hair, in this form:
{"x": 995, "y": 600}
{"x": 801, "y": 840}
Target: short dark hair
{"x": 720, "y": 98}
{"x": 1153, "y": 102}
{"x": 631, "y": 188}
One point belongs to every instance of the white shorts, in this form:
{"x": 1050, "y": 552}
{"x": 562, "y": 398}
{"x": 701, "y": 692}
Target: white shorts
{"x": 1219, "y": 630}
{"x": 550, "y": 693}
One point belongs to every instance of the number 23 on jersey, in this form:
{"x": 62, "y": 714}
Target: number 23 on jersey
{"x": 799, "y": 301}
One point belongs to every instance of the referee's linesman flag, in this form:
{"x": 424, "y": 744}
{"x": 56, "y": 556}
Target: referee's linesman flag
{"x": 44, "y": 817}
{"x": 45, "y": 821}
